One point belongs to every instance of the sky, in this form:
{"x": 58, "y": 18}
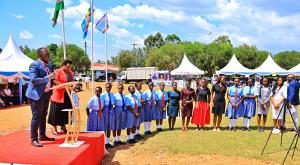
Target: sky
{"x": 270, "y": 26}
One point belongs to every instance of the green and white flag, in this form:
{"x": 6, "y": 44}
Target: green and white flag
{"x": 58, "y": 6}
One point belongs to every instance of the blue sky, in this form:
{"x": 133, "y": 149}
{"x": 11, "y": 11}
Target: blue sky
{"x": 269, "y": 26}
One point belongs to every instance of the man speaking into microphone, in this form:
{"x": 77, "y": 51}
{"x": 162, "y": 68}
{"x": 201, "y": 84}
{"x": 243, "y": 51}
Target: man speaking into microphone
{"x": 38, "y": 93}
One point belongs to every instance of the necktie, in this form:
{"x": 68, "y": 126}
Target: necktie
{"x": 236, "y": 93}
{"x": 100, "y": 107}
{"x": 123, "y": 102}
{"x": 151, "y": 100}
{"x": 109, "y": 104}
{"x": 249, "y": 93}
{"x": 135, "y": 104}
{"x": 163, "y": 99}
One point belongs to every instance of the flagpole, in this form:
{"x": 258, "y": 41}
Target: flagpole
{"x": 106, "y": 48}
{"x": 63, "y": 33}
{"x": 92, "y": 46}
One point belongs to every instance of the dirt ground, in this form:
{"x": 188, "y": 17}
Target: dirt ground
{"x": 18, "y": 118}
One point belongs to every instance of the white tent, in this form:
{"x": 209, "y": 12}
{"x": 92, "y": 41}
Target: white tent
{"x": 13, "y": 62}
{"x": 186, "y": 68}
{"x": 234, "y": 67}
{"x": 295, "y": 70}
{"x": 270, "y": 67}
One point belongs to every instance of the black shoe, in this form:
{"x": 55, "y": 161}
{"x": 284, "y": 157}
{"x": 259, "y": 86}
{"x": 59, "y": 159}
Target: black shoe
{"x": 46, "y": 138}
{"x": 234, "y": 129}
{"x": 108, "y": 146}
{"x": 120, "y": 143}
{"x": 229, "y": 129}
{"x": 138, "y": 136}
{"x": 130, "y": 141}
{"x": 150, "y": 132}
{"x": 115, "y": 144}
{"x": 244, "y": 129}
{"x": 249, "y": 129}
{"x": 36, "y": 143}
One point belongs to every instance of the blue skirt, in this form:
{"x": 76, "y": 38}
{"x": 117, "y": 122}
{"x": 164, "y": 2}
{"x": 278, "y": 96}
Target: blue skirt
{"x": 148, "y": 113}
{"x": 157, "y": 115}
{"x": 142, "y": 115}
{"x": 118, "y": 118}
{"x": 233, "y": 113}
{"x": 131, "y": 120}
{"x": 249, "y": 107}
{"x": 107, "y": 116}
{"x": 94, "y": 122}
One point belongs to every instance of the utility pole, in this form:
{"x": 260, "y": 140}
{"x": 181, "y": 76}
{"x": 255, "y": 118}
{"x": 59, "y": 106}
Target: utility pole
{"x": 136, "y": 59}
{"x": 85, "y": 47}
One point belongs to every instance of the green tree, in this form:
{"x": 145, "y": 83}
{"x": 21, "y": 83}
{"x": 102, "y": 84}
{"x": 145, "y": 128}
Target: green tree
{"x": 124, "y": 59}
{"x": 195, "y": 51}
{"x": 155, "y": 41}
{"x": 172, "y": 38}
{"x": 224, "y": 40}
{"x": 287, "y": 59}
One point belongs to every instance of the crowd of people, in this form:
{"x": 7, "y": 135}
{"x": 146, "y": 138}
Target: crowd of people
{"x": 9, "y": 95}
{"x": 115, "y": 112}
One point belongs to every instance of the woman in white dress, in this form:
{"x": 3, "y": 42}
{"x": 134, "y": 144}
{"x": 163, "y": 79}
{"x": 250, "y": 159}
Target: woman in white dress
{"x": 279, "y": 93}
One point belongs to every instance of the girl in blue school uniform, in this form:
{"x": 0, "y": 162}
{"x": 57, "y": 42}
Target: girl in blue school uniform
{"x": 118, "y": 116}
{"x": 249, "y": 96}
{"x": 160, "y": 111}
{"x": 235, "y": 108}
{"x": 138, "y": 93}
{"x": 150, "y": 105}
{"x": 108, "y": 106}
{"x": 94, "y": 112}
{"x": 133, "y": 106}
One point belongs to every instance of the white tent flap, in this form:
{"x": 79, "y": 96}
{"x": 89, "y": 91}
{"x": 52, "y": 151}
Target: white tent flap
{"x": 270, "y": 67}
{"x": 234, "y": 67}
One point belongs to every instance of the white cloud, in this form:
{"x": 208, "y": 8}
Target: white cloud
{"x": 25, "y": 35}
{"x": 55, "y": 36}
{"x": 19, "y": 16}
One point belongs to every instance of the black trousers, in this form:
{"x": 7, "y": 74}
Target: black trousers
{"x": 39, "y": 109}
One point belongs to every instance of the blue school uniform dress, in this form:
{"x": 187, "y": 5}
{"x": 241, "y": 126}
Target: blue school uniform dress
{"x": 235, "y": 94}
{"x": 249, "y": 104}
{"x": 150, "y": 106}
{"x": 108, "y": 102}
{"x": 118, "y": 116}
{"x": 173, "y": 106}
{"x": 133, "y": 102}
{"x": 139, "y": 94}
{"x": 162, "y": 98}
{"x": 94, "y": 122}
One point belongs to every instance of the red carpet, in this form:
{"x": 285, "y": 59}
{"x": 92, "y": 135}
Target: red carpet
{"x": 16, "y": 148}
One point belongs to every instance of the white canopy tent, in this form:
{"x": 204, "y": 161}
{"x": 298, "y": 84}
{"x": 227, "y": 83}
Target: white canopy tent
{"x": 270, "y": 67}
{"x": 13, "y": 62}
{"x": 234, "y": 67}
{"x": 295, "y": 70}
{"x": 186, "y": 68}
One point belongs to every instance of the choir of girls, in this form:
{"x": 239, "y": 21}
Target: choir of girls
{"x": 110, "y": 112}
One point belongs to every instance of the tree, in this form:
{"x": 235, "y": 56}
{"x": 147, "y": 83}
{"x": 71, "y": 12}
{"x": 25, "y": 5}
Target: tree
{"x": 223, "y": 40}
{"x": 167, "y": 56}
{"x": 194, "y": 51}
{"x": 249, "y": 56}
{"x": 287, "y": 59}
{"x": 155, "y": 41}
{"x": 124, "y": 59}
{"x": 172, "y": 38}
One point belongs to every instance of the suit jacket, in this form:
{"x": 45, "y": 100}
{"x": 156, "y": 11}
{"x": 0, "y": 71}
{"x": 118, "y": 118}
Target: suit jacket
{"x": 60, "y": 77}
{"x": 293, "y": 92}
{"x": 38, "y": 80}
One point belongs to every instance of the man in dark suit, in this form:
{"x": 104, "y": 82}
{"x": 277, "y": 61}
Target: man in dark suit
{"x": 293, "y": 95}
{"x": 41, "y": 74}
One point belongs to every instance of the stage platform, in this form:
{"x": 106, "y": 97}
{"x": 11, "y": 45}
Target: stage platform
{"x": 16, "y": 148}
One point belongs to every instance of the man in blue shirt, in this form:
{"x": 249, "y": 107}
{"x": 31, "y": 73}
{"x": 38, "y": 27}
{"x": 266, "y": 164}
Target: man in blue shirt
{"x": 293, "y": 96}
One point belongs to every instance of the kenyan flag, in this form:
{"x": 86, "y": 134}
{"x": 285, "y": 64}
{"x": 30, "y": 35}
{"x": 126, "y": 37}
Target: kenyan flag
{"x": 58, "y": 6}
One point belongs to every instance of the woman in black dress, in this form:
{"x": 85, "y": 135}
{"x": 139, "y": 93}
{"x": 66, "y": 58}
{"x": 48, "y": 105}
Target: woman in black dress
{"x": 218, "y": 107}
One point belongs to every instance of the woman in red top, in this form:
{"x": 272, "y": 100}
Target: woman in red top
{"x": 60, "y": 99}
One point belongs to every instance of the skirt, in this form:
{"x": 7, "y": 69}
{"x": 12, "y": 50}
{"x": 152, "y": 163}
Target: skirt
{"x": 218, "y": 108}
{"x": 118, "y": 118}
{"x": 56, "y": 115}
{"x": 233, "y": 113}
{"x": 107, "y": 116}
{"x": 142, "y": 115}
{"x": 131, "y": 120}
{"x": 158, "y": 115}
{"x": 249, "y": 107}
{"x": 148, "y": 113}
{"x": 94, "y": 122}
{"x": 201, "y": 115}
{"x": 187, "y": 110}
{"x": 260, "y": 110}
{"x": 173, "y": 110}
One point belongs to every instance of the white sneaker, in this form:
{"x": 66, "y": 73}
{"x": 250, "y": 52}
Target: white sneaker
{"x": 275, "y": 131}
{"x": 214, "y": 129}
{"x": 218, "y": 130}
